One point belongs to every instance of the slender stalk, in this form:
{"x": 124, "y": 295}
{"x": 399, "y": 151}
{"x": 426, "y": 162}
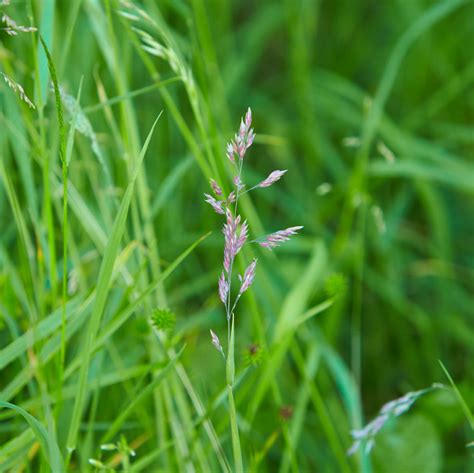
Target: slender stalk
{"x": 230, "y": 368}
{"x": 229, "y": 311}
{"x": 230, "y": 373}
{"x": 238, "y": 464}
{"x": 64, "y": 284}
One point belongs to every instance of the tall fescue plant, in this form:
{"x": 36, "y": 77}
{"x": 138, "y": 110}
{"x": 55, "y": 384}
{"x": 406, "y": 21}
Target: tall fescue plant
{"x": 236, "y": 233}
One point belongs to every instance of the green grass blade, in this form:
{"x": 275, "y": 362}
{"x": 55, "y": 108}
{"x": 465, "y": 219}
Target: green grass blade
{"x": 103, "y": 283}
{"x": 462, "y": 180}
{"x": 47, "y": 22}
{"x": 461, "y": 400}
{"x": 45, "y": 327}
{"x": 72, "y": 129}
{"x": 48, "y": 444}
{"x": 14, "y": 450}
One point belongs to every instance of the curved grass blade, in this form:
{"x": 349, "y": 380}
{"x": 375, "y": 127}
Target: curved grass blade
{"x": 48, "y": 444}
{"x": 462, "y": 402}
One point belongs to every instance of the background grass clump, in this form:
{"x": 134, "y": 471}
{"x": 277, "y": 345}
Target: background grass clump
{"x": 103, "y": 224}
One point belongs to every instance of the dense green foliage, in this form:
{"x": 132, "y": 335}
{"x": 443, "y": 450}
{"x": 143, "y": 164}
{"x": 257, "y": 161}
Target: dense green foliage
{"x": 369, "y": 107}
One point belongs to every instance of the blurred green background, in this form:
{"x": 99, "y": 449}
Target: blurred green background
{"x": 369, "y": 105}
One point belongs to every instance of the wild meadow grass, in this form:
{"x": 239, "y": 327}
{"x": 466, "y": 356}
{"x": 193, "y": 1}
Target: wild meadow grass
{"x": 351, "y": 348}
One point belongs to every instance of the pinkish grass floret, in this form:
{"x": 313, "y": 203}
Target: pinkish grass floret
{"x": 235, "y": 231}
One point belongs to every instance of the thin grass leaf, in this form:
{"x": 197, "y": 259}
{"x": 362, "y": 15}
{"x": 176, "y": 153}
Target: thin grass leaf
{"x": 72, "y": 128}
{"x": 57, "y": 97}
{"x": 461, "y": 400}
{"x": 48, "y": 444}
{"x": 130, "y": 95}
{"x": 47, "y": 13}
{"x": 45, "y": 327}
{"x": 103, "y": 283}
{"x": 415, "y": 169}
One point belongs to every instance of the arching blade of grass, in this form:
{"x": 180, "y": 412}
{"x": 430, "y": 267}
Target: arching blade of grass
{"x": 456, "y": 86}
{"x": 48, "y": 444}
{"x": 103, "y": 284}
{"x": 317, "y": 309}
{"x": 461, "y": 400}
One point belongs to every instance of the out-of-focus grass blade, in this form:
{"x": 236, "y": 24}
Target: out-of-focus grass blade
{"x": 49, "y": 349}
{"x": 48, "y": 444}
{"x": 317, "y": 309}
{"x": 308, "y": 365}
{"x": 293, "y": 306}
{"x": 46, "y": 28}
{"x": 349, "y": 393}
{"x": 169, "y": 184}
{"x": 434, "y": 14}
{"x": 45, "y": 327}
{"x": 463, "y": 181}
{"x": 27, "y": 244}
{"x": 102, "y": 380}
{"x": 131, "y": 94}
{"x": 139, "y": 397}
{"x": 72, "y": 129}
{"x": 296, "y": 300}
{"x": 16, "y": 448}
{"x": 21, "y": 147}
{"x": 105, "y": 275}
{"x": 462, "y": 402}
{"x": 308, "y": 370}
